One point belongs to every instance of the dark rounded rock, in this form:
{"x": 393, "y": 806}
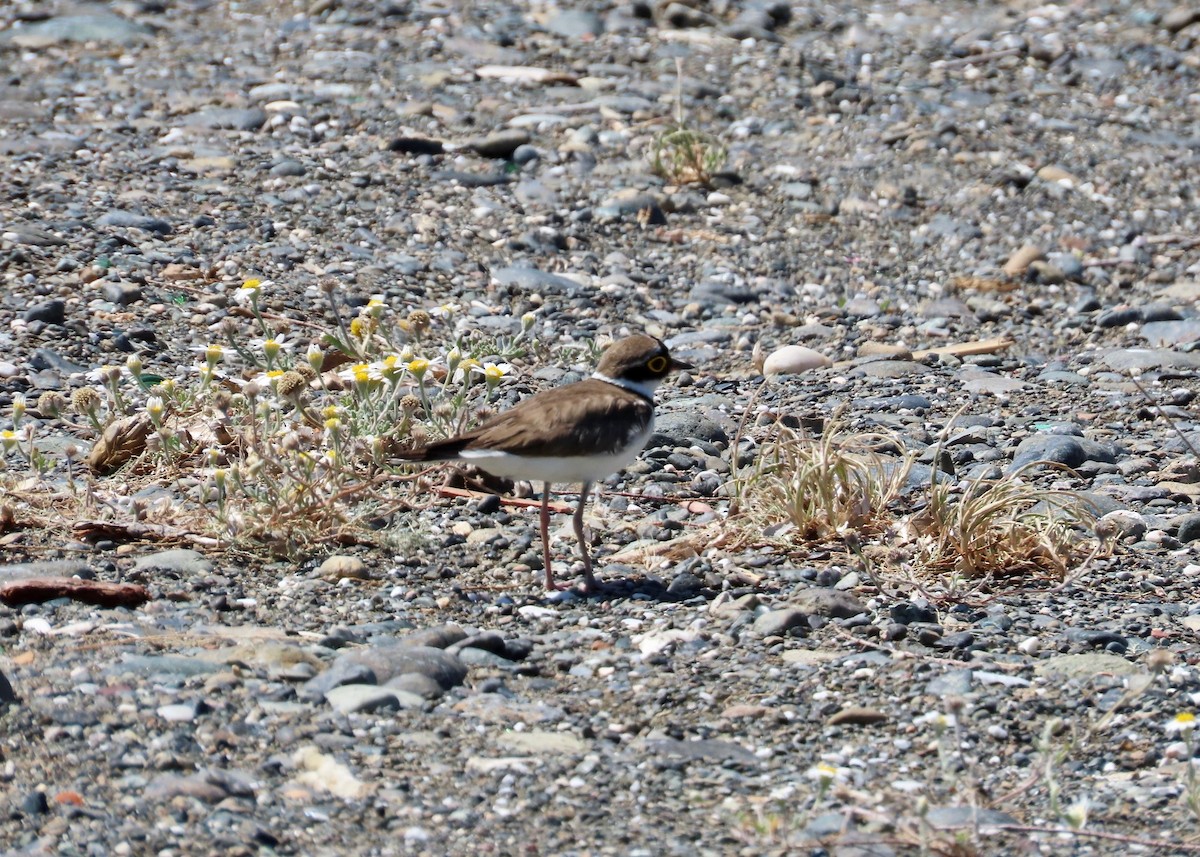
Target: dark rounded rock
{"x": 1189, "y": 527}
{"x": 907, "y": 612}
{"x": 1059, "y": 449}
{"x": 53, "y": 311}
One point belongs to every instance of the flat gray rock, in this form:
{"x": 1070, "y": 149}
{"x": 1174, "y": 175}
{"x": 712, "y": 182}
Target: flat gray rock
{"x": 77, "y": 28}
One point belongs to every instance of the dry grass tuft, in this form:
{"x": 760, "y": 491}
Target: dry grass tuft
{"x": 806, "y": 491}
{"x": 999, "y": 529}
{"x": 803, "y": 488}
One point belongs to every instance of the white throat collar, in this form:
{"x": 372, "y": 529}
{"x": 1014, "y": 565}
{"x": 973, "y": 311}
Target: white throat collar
{"x": 645, "y": 389}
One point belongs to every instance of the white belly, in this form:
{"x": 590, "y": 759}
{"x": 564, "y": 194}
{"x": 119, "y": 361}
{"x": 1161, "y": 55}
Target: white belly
{"x": 577, "y": 468}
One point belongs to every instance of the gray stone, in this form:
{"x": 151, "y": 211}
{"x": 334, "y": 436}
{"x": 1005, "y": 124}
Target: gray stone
{"x": 1150, "y": 359}
{"x": 339, "y": 673}
{"x": 288, "y": 167}
{"x": 132, "y": 220}
{"x": 1096, "y": 638}
{"x": 415, "y": 684}
{"x": 1119, "y": 316}
{"x": 779, "y": 622}
{"x": 500, "y": 144}
{"x": 233, "y": 118}
{"x": 953, "y": 683}
{"x": 1169, "y": 333}
{"x": 678, "y": 428}
{"x": 574, "y": 23}
{"x": 1059, "y": 449}
{"x": 1180, "y": 17}
{"x": 45, "y": 568}
{"x": 180, "y": 560}
{"x": 439, "y": 637}
{"x": 530, "y": 280}
{"x": 1122, "y": 524}
{"x": 121, "y": 293}
{"x": 954, "y": 817}
{"x": 828, "y": 602}
{"x": 718, "y": 292}
{"x": 53, "y": 311}
{"x": 1188, "y": 528}
{"x": 179, "y": 666}
{"x": 32, "y": 236}
{"x": 702, "y": 750}
{"x": 78, "y": 29}
{"x": 1085, "y": 666}
{"x": 626, "y": 204}
{"x": 396, "y": 658}
{"x": 355, "y": 698}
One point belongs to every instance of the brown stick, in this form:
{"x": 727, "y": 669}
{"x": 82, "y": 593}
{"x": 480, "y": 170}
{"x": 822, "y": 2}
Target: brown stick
{"x": 555, "y": 507}
{"x": 35, "y": 590}
{"x": 960, "y": 349}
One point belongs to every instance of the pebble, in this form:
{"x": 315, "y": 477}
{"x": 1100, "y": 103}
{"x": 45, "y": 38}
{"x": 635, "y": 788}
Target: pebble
{"x": 776, "y": 622}
{"x": 48, "y": 312}
{"x": 794, "y": 360}
{"x": 1059, "y": 449}
{"x": 341, "y": 567}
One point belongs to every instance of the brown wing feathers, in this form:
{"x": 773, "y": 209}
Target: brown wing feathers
{"x": 601, "y": 422}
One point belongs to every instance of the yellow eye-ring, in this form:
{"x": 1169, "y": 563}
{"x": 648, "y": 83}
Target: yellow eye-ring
{"x": 657, "y": 364}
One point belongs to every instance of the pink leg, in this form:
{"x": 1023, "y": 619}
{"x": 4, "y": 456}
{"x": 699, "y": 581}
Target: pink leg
{"x": 589, "y": 580}
{"x": 550, "y": 584}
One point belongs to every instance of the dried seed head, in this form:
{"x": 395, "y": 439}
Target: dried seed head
{"x": 305, "y": 371}
{"x": 420, "y": 320}
{"x": 410, "y": 404}
{"x": 291, "y": 384}
{"x": 85, "y": 400}
{"x": 51, "y": 403}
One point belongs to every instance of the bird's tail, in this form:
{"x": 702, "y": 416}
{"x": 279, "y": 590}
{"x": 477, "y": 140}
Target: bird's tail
{"x": 442, "y": 450}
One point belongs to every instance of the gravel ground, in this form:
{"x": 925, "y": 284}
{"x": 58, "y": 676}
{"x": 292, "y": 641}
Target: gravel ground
{"x": 898, "y": 181}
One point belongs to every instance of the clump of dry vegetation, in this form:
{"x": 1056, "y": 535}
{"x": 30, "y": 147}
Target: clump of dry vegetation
{"x": 855, "y": 488}
{"x": 266, "y": 442}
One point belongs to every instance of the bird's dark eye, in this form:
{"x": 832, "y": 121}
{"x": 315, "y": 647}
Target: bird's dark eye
{"x": 657, "y": 364}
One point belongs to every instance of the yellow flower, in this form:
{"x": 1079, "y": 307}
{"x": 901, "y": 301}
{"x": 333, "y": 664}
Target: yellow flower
{"x": 418, "y": 366}
{"x": 1184, "y": 721}
{"x": 8, "y": 438}
{"x": 390, "y": 368}
{"x": 493, "y": 372}
{"x": 248, "y": 293}
{"x": 466, "y": 367}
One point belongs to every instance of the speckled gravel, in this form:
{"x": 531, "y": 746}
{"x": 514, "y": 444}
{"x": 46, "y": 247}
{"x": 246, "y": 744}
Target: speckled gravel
{"x": 900, "y": 180}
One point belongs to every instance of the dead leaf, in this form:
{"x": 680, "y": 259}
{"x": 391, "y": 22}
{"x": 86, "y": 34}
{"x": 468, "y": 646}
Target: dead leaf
{"x": 121, "y": 441}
